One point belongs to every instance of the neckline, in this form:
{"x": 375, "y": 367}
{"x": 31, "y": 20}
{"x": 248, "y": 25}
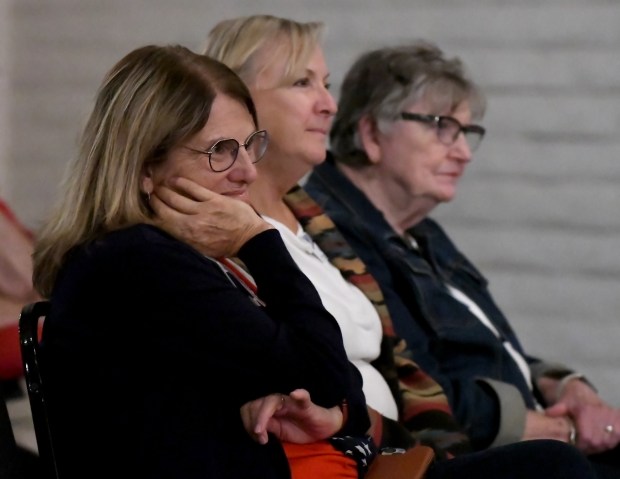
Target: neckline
{"x": 302, "y": 239}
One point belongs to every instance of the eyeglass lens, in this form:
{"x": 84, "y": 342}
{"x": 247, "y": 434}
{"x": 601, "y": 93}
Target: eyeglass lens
{"x": 224, "y": 153}
{"x": 448, "y": 130}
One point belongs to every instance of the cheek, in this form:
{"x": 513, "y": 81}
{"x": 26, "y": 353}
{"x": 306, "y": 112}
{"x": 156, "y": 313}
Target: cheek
{"x": 268, "y": 120}
{"x": 426, "y": 157}
{"x": 281, "y": 116}
{"x": 267, "y": 110}
{"x": 194, "y": 171}
{"x": 437, "y": 159}
{"x": 215, "y": 182}
{"x": 413, "y": 167}
{"x": 178, "y": 167}
{"x": 165, "y": 171}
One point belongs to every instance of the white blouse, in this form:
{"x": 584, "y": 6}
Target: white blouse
{"x": 358, "y": 320}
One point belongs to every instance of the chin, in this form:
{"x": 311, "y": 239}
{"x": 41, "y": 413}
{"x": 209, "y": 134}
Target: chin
{"x": 447, "y": 198}
{"x": 446, "y": 195}
{"x": 317, "y": 157}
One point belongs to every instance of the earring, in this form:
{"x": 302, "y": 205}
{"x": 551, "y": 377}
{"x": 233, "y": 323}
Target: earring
{"x": 148, "y": 195}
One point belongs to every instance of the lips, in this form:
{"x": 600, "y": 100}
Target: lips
{"x": 452, "y": 174}
{"x": 322, "y": 131}
{"x": 236, "y": 193}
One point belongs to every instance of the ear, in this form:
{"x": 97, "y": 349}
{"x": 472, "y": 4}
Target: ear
{"x": 147, "y": 183}
{"x": 368, "y": 134}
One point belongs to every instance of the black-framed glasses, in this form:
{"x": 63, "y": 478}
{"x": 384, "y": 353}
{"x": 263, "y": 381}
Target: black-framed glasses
{"x": 223, "y": 153}
{"x": 448, "y": 128}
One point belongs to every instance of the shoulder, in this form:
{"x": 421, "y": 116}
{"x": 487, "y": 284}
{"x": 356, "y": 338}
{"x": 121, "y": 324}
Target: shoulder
{"x": 138, "y": 255}
{"x": 140, "y": 246}
{"x": 140, "y": 239}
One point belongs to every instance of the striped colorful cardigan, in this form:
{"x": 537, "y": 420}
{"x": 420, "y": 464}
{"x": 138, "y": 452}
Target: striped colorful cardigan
{"x": 423, "y": 407}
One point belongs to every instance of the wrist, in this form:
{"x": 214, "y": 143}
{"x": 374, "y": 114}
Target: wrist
{"x": 562, "y": 383}
{"x": 344, "y": 409}
{"x": 572, "y": 432}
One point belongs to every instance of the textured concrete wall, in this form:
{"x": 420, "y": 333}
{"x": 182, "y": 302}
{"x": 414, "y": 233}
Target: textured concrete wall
{"x": 537, "y": 210}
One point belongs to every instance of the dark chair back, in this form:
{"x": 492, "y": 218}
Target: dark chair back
{"x": 29, "y": 343}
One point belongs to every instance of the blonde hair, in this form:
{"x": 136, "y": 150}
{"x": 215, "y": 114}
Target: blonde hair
{"x": 250, "y": 45}
{"x": 151, "y": 100}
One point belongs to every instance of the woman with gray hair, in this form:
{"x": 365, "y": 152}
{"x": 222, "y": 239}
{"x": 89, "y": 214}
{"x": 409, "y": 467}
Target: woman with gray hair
{"x": 403, "y": 136}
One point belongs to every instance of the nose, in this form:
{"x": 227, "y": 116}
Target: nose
{"x": 243, "y": 169}
{"x": 327, "y": 103}
{"x": 460, "y": 149}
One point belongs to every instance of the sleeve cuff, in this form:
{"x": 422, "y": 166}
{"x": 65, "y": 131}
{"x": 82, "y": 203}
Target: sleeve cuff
{"x": 512, "y": 412}
{"x": 556, "y": 371}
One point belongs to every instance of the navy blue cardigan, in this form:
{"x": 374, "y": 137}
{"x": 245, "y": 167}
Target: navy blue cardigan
{"x": 150, "y": 349}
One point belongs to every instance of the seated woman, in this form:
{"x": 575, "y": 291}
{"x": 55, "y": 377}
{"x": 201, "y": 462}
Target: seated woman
{"x": 290, "y": 89}
{"x": 148, "y": 336}
{"x": 407, "y": 127}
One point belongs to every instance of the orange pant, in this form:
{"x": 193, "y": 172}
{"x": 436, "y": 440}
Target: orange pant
{"x": 319, "y": 459}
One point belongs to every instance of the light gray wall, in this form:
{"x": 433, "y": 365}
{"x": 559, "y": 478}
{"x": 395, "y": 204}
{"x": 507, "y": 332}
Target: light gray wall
{"x": 538, "y": 210}
{"x": 4, "y": 92}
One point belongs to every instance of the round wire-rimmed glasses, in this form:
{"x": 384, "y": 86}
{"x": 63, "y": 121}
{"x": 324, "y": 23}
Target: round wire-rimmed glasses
{"x": 223, "y": 153}
{"x": 448, "y": 128}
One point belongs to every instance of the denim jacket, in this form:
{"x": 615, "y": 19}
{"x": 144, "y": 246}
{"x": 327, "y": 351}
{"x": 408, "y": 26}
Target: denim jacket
{"x": 485, "y": 387}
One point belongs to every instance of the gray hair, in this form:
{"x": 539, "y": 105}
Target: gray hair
{"x": 384, "y": 81}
